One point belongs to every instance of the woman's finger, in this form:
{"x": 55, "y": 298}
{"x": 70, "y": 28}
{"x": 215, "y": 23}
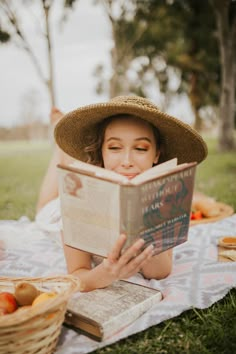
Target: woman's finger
{"x": 136, "y": 263}
{"x": 143, "y": 257}
{"x": 116, "y": 251}
{"x": 131, "y": 252}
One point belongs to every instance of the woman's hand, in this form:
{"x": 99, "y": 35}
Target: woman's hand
{"x": 116, "y": 266}
{"x": 122, "y": 266}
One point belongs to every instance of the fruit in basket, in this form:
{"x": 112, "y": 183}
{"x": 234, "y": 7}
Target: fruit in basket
{"x": 8, "y": 303}
{"x": 43, "y": 297}
{"x": 25, "y": 293}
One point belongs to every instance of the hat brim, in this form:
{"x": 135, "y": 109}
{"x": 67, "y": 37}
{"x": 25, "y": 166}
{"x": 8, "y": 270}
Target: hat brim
{"x": 178, "y": 139}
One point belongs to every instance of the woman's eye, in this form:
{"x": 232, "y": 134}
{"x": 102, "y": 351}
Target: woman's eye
{"x": 141, "y": 149}
{"x": 113, "y": 147}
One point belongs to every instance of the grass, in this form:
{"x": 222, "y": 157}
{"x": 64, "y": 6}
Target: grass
{"x": 22, "y": 166}
{"x": 216, "y": 175}
{"x": 209, "y": 331}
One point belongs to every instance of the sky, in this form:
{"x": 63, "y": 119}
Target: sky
{"x": 82, "y": 43}
{"x": 79, "y": 46}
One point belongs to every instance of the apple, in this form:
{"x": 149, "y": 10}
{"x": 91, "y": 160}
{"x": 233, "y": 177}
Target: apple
{"x": 43, "y": 297}
{"x": 2, "y": 312}
{"x": 8, "y": 303}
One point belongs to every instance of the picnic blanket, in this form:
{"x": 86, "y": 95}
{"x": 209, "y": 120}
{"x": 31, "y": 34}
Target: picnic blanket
{"x": 198, "y": 280}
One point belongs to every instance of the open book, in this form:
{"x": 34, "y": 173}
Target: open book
{"x": 102, "y": 313}
{"x": 97, "y": 205}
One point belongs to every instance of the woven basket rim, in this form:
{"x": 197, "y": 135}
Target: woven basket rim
{"x": 69, "y": 282}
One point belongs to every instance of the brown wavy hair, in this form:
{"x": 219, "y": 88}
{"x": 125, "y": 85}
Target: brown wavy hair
{"x": 94, "y": 146}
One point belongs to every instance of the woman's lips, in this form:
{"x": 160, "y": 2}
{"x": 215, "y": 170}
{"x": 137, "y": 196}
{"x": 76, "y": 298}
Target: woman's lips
{"x": 130, "y": 175}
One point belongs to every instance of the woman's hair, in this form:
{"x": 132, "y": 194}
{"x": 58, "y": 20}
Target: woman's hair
{"x": 94, "y": 145}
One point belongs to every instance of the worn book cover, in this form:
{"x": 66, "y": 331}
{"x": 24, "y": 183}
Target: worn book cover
{"x": 102, "y": 313}
{"x": 97, "y": 205}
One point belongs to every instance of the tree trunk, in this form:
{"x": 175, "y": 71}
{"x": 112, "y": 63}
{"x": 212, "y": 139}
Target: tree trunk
{"x": 227, "y": 101}
{"x": 50, "y": 81}
{"x": 195, "y": 101}
{"x": 113, "y": 86}
{"x": 227, "y": 45}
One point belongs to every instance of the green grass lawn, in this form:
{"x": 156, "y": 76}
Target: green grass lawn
{"x": 22, "y": 165}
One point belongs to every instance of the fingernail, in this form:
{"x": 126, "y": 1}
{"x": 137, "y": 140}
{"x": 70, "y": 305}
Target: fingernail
{"x": 150, "y": 247}
{"x": 141, "y": 241}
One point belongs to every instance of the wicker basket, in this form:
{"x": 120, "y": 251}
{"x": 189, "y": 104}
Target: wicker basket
{"x": 36, "y": 329}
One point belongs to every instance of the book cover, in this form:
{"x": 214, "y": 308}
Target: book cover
{"x": 97, "y": 205}
{"x": 102, "y": 313}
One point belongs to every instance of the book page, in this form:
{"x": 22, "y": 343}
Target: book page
{"x": 155, "y": 171}
{"x": 98, "y": 172}
{"x": 103, "y": 173}
{"x": 90, "y": 212}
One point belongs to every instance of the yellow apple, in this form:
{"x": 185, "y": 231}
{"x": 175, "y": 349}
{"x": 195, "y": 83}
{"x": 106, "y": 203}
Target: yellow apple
{"x": 43, "y": 297}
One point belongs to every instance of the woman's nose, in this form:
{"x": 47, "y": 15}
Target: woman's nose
{"x": 127, "y": 160}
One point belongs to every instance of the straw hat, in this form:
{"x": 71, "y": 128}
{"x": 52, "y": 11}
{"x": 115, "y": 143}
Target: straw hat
{"x": 178, "y": 139}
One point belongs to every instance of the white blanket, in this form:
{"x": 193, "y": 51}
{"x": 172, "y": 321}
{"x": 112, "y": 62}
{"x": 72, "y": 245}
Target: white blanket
{"x": 197, "y": 280}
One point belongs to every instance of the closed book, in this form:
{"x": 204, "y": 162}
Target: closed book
{"x": 102, "y": 313}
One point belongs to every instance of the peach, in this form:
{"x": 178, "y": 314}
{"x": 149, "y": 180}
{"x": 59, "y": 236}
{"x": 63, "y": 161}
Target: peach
{"x": 8, "y": 303}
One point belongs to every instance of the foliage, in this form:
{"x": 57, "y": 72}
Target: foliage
{"x": 178, "y": 34}
{"x": 159, "y": 42}
{"x": 209, "y": 331}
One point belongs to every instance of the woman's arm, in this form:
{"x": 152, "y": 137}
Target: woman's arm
{"x": 114, "y": 267}
{"x": 159, "y": 266}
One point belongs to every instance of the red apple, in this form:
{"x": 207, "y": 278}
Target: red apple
{"x": 3, "y": 312}
{"x": 8, "y": 303}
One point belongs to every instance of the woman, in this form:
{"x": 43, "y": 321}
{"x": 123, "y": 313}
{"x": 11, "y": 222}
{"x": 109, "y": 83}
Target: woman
{"x": 127, "y": 135}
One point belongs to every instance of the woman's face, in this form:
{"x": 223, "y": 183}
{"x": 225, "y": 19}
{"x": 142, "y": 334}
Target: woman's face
{"x": 129, "y": 146}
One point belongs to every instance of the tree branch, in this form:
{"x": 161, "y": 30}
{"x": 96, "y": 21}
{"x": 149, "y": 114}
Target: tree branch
{"x": 12, "y": 18}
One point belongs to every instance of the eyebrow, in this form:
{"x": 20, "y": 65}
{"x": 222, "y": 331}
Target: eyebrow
{"x": 137, "y": 139}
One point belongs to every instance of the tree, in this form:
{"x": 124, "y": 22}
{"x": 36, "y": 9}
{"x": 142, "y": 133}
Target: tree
{"x": 119, "y": 13}
{"x": 225, "y": 11}
{"x": 156, "y": 39}
{"x": 12, "y": 29}
{"x": 181, "y": 34}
